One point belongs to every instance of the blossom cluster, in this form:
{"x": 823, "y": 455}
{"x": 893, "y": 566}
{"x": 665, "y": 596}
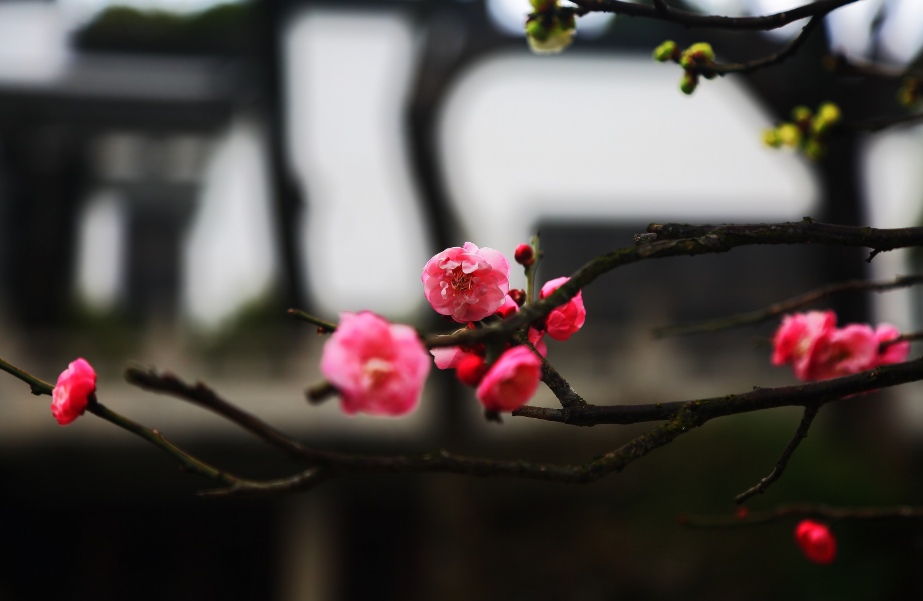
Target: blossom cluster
{"x": 818, "y": 350}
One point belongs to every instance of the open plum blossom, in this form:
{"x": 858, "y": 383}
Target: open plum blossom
{"x": 71, "y": 395}
{"x": 378, "y": 367}
{"x": 818, "y": 350}
{"x": 816, "y": 541}
{"x": 565, "y": 320}
{"x": 467, "y": 283}
{"x": 511, "y": 380}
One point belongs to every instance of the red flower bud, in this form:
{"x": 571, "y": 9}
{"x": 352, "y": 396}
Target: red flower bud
{"x": 471, "y": 369}
{"x": 518, "y": 296}
{"x": 741, "y": 512}
{"x": 816, "y": 541}
{"x": 524, "y": 255}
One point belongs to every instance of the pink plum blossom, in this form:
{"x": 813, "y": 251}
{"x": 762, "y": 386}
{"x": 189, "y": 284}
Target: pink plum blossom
{"x": 467, "y": 283}
{"x": 535, "y": 337}
{"x": 844, "y": 351}
{"x": 72, "y": 394}
{"x": 448, "y": 357}
{"x": 797, "y": 338}
{"x": 378, "y": 367}
{"x": 565, "y": 320}
{"x": 511, "y": 380}
{"x": 894, "y": 353}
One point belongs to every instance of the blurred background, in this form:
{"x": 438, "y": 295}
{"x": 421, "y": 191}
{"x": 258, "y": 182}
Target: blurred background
{"x": 174, "y": 174}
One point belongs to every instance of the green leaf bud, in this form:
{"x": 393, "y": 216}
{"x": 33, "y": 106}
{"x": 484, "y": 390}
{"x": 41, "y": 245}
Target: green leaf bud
{"x": 771, "y": 138}
{"x": 702, "y": 51}
{"x": 687, "y": 61}
{"x": 689, "y": 82}
{"x": 909, "y": 94}
{"x": 789, "y": 134}
{"x": 828, "y": 115}
{"x": 543, "y": 5}
{"x": 801, "y": 115}
{"x": 549, "y": 40}
{"x": 814, "y": 149}
{"x": 665, "y": 52}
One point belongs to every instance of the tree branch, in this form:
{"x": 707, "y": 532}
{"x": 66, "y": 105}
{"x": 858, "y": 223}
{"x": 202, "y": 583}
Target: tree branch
{"x": 789, "y": 50}
{"x": 786, "y": 306}
{"x": 674, "y": 240}
{"x": 690, "y": 19}
{"x": 874, "y": 125}
{"x": 910, "y": 337}
{"x": 810, "y": 412}
{"x": 832, "y": 514}
{"x": 323, "y": 327}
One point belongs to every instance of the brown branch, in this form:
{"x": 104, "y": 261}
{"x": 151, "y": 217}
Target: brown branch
{"x": 203, "y": 396}
{"x": 674, "y": 240}
{"x": 691, "y": 19}
{"x": 810, "y": 412}
{"x": 874, "y": 125}
{"x": 786, "y": 306}
{"x": 841, "y": 65}
{"x": 910, "y": 337}
{"x": 824, "y": 512}
{"x": 323, "y": 327}
{"x": 789, "y": 50}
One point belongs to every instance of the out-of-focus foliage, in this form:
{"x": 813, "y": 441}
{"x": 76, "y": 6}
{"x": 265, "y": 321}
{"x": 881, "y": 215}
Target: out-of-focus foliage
{"x": 220, "y": 30}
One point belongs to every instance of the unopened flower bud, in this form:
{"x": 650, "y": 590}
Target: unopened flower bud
{"x": 741, "y": 512}
{"x": 524, "y": 255}
{"x": 471, "y": 370}
{"x": 689, "y": 82}
{"x": 666, "y": 51}
{"x": 687, "y": 62}
{"x": 816, "y": 541}
{"x": 518, "y": 296}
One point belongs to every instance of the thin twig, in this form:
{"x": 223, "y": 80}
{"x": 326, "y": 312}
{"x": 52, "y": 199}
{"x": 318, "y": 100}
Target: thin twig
{"x": 786, "y": 306}
{"x": 691, "y": 19}
{"x": 839, "y": 64}
{"x": 874, "y": 125}
{"x": 824, "y": 512}
{"x": 810, "y": 412}
{"x": 323, "y": 327}
{"x": 910, "y": 337}
{"x": 789, "y": 50}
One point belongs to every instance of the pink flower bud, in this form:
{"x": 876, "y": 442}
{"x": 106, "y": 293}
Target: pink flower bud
{"x": 518, "y": 296}
{"x": 524, "y": 255}
{"x": 471, "y": 370}
{"x": 816, "y": 541}
{"x": 511, "y": 381}
{"x": 378, "y": 367}
{"x": 535, "y": 337}
{"x": 565, "y": 320}
{"x": 508, "y": 308}
{"x": 72, "y": 394}
{"x": 466, "y": 283}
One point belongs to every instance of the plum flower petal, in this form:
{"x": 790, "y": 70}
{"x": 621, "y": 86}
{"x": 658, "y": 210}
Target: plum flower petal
{"x": 535, "y": 337}
{"x": 378, "y": 367}
{"x": 448, "y": 357}
{"x": 467, "y": 283}
{"x": 894, "y": 353}
{"x": 511, "y": 380}
{"x": 567, "y": 319}
{"x": 71, "y": 395}
{"x": 796, "y": 340}
{"x": 844, "y": 351}
{"x": 508, "y": 307}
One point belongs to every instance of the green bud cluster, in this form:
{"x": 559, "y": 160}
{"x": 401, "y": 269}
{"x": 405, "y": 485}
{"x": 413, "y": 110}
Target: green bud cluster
{"x": 549, "y": 31}
{"x": 692, "y": 59}
{"x": 807, "y": 131}
{"x": 911, "y": 92}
